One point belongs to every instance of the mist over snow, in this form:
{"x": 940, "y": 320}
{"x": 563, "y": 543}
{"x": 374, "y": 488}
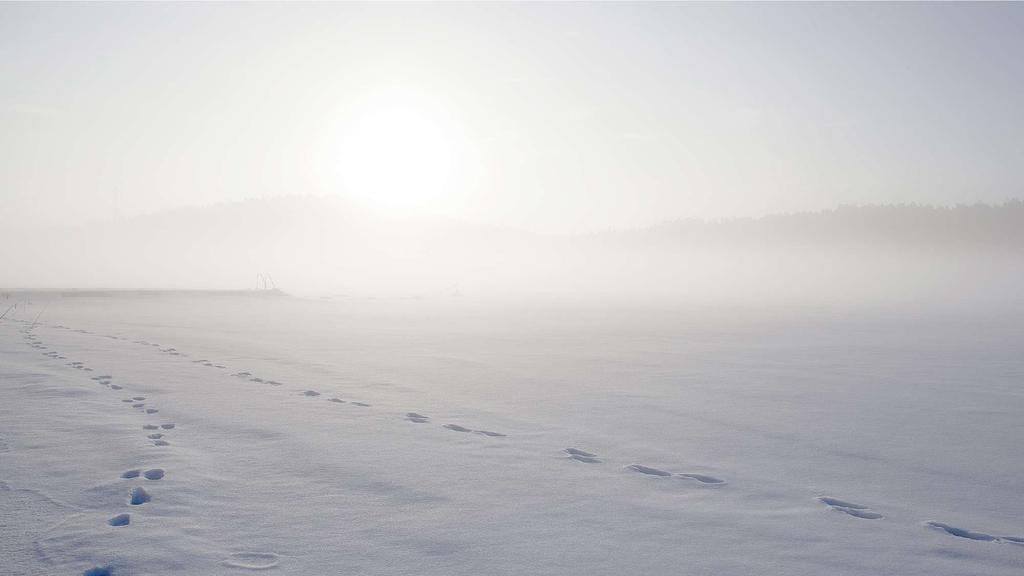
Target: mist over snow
{"x": 325, "y": 246}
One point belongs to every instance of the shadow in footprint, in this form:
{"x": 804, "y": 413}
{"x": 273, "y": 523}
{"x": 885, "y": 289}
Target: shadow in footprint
{"x": 119, "y": 520}
{"x": 703, "y": 479}
{"x": 962, "y": 533}
{"x": 457, "y": 428}
{"x": 648, "y": 470}
{"x": 855, "y": 510}
{"x": 251, "y": 560}
{"x": 138, "y": 496}
{"x": 582, "y": 456}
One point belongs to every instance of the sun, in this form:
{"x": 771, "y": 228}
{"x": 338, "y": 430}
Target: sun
{"x": 397, "y": 151}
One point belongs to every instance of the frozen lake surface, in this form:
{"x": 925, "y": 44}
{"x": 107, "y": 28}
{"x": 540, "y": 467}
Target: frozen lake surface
{"x": 219, "y": 435}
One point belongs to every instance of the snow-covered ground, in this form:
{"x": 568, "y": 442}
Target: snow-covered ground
{"x": 216, "y": 435}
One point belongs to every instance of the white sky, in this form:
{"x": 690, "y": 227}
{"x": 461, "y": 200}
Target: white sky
{"x": 564, "y": 117}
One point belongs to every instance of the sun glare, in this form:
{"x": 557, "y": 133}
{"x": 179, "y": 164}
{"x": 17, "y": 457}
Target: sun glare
{"x": 399, "y": 153}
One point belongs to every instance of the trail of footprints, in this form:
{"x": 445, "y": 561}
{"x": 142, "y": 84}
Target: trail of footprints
{"x": 657, "y": 472}
{"x": 417, "y": 418}
{"x": 139, "y": 496}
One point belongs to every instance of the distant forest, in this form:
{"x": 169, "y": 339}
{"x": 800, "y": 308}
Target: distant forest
{"x": 998, "y": 226}
{"x": 324, "y": 245}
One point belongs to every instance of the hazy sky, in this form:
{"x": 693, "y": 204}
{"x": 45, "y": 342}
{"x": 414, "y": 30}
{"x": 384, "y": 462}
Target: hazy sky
{"x": 558, "y": 117}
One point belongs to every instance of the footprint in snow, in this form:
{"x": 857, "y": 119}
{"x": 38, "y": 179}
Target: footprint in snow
{"x": 855, "y": 510}
{"x": 151, "y": 474}
{"x": 251, "y": 560}
{"x": 458, "y": 428}
{"x": 648, "y": 470}
{"x": 417, "y": 418}
{"x": 970, "y": 535}
{"x": 138, "y": 496}
{"x": 310, "y": 393}
{"x": 119, "y": 520}
{"x": 701, "y": 478}
{"x": 582, "y": 456}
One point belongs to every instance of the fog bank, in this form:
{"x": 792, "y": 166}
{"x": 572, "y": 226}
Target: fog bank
{"x": 326, "y": 247}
